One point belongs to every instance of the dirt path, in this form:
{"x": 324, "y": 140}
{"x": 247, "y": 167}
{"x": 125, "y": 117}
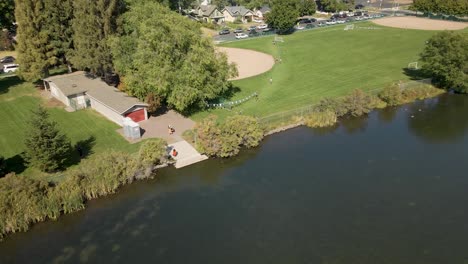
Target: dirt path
{"x": 420, "y": 23}
{"x": 249, "y": 63}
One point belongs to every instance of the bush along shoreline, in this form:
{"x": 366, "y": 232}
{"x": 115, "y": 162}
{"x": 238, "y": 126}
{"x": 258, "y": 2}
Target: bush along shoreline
{"x": 25, "y": 201}
{"x": 226, "y": 139}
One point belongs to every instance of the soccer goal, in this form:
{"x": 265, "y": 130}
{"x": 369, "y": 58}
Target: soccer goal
{"x": 413, "y": 65}
{"x": 349, "y": 27}
{"x": 279, "y": 39}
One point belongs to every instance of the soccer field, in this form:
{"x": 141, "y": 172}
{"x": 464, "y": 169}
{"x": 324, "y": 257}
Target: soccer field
{"x": 326, "y": 62}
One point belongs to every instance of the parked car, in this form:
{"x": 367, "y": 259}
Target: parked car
{"x": 257, "y": 20}
{"x": 300, "y": 27}
{"x": 267, "y": 29}
{"x": 304, "y": 21}
{"x": 359, "y": 6}
{"x": 330, "y": 22}
{"x": 224, "y": 31}
{"x": 238, "y": 30}
{"x": 252, "y": 28}
{"x": 340, "y": 21}
{"x": 10, "y": 68}
{"x": 7, "y": 59}
{"x": 262, "y": 26}
{"x": 253, "y": 33}
{"x": 241, "y": 36}
{"x": 310, "y": 26}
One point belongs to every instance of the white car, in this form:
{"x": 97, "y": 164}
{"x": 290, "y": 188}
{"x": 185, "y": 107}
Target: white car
{"x": 10, "y": 68}
{"x": 340, "y": 21}
{"x": 241, "y": 36}
{"x": 262, "y": 26}
{"x": 300, "y": 27}
{"x": 257, "y": 20}
{"x": 330, "y": 22}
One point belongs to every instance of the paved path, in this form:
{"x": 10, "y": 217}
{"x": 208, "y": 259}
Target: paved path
{"x": 187, "y": 155}
{"x": 156, "y": 127}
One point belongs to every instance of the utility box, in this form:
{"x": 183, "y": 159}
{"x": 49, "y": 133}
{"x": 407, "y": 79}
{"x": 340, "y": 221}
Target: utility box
{"x": 131, "y": 129}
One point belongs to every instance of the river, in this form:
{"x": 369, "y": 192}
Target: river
{"x": 388, "y": 188}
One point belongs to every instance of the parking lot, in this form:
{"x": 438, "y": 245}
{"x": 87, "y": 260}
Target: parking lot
{"x": 305, "y": 25}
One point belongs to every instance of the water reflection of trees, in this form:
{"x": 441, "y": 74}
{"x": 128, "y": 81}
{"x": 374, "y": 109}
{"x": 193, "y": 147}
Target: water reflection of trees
{"x": 354, "y": 124}
{"x": 387, "y": 114}
{"x": 440, "y": 120}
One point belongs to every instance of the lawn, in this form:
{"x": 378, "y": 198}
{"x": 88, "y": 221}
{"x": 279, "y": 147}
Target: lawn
{"x": 18, "y": 98}
{"x": 326, "y": 62}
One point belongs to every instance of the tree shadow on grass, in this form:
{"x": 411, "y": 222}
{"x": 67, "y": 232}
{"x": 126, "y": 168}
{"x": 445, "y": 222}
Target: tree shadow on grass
{"x": 416, "y": 74}
{"x": 80, "y": 150}
{"x": 7, "y": 82}
{"x": 14, "y": 164}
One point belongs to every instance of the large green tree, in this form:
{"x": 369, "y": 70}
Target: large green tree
{"x": 283, "y": 15}
{"x": 58, "y": 27}
{"x": 162, "y": 53}
{"x": 35, "y": 50}
{"x": 46, "y": 148}
{"x": 445, "y": 58}
{"x": 93, "y": 23}
{"x": 7, "y": 13}
{"x": 447, "y": 7}
{"x": 306, "y": 7}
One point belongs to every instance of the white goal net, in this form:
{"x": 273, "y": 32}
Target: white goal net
{"x": 349, "y": 27}
{"x": 413, "y": 65}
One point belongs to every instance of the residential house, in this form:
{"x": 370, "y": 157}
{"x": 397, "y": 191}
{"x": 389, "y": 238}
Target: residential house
{"x": 261, "y": 12}
{"x": 240, "y": 13}
{"x": 209, "y": 14}
{"x": 80, "y": 90}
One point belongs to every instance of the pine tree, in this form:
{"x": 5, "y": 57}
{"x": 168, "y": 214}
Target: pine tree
{"x": 58, "y": 27}
{"x": 93, "y": 23}
{"x": 46, "y": 148}
{"x": 35, "y": 51}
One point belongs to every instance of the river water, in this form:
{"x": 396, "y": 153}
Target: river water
{"x": 389, "y": 188}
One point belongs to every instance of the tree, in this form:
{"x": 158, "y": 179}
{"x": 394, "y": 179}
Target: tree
{"x": 46, "y": 148}
{"x": 445, "y": 58}
{"x": 93, "y": 23}
{"x": 59, "y": 29}
{"x": 35, "y": 51}
{"x": 306, "y": 7}
{"x": 7, "y": 14}
{"x": 358, "y": 103}
{"x": 447, "y": 7}
{"x": 162, "y": 53}
{"x": 283, "y": 15}
{"x": 153, "y": 151}
{"x": 6, "y": 41}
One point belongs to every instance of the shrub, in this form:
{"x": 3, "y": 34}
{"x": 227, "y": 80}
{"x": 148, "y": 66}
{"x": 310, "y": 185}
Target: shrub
{"x": 152, "y": 152}
{"x": 321, "y": 119}
{"x": 391, "y": 95}
{"x": 225, "y": 140}
{"x": 357, "y": 103}
{"x": 335, "y": 105}
{"x": 21, "y": 203}
{"x": 2, "y": 166}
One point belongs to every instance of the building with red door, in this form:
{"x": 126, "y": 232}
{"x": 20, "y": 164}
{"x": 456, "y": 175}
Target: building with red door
{"x": 80, "y": 90}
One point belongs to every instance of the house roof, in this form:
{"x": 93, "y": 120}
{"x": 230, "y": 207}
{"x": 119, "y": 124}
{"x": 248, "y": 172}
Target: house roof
{"x": 265, "y": 9}
{"x": 207, "y": 10}
{"x": 237, "y": 10}
{"x": 80, "y": 82}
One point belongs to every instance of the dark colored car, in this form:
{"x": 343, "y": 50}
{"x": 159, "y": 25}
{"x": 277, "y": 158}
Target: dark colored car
{"x": 7, "y": 59}
{"x": 224, "y": 32}
{"x": 304, "y": 21}
{"x": 253, "y": 33}
{"x": 310, "y": 26}
{"x": 238, "y": 30}
{"x": 252, "y": 28}
{"x": 359, "y": 6}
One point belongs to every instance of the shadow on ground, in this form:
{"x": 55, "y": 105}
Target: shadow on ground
{"x": 7, "y": 82}
{"x": 80, "y": 150}
{"x": 415, "y": 74}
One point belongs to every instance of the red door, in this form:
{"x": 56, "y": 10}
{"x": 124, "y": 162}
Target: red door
{"x": 137, "y": 116}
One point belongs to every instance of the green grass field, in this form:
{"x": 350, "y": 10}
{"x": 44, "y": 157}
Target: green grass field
{"x": 326, "y": 62}
{"x": 17, "y": 99}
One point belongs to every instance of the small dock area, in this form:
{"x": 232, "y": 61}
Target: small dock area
{"x": 186, "y": 154}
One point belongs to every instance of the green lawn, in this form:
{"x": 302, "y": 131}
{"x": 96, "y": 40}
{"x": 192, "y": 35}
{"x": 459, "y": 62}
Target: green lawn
{"x": 17, "y": 99}
{"x": 326, "y": 62}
